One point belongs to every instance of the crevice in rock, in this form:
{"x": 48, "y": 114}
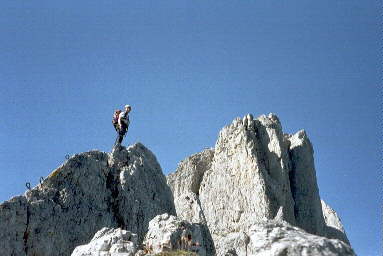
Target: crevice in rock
{"x": 201, "y": 164}
{"x": 260, "y": 148}
{"x": 26, "y": 232}
{"x": 113, "y": 204}
{"x": 247, "y": 241}
{"x": 142, "y": 227}
{"x": 292, "y": 182}
{"x": 209, "y": 242}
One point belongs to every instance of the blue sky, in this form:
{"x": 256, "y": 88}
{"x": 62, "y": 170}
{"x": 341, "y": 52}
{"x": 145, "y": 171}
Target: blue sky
{"x": 188, "y": 68}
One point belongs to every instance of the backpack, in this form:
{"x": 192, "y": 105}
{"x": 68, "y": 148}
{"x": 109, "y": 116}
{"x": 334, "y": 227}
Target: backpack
{"x": 115, "y": 116}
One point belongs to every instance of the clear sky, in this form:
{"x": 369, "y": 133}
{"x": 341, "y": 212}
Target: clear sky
{"x": 188, "y": 68}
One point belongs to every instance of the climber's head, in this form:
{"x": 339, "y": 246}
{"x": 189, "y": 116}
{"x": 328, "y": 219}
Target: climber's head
{"x": 128, "y": 108}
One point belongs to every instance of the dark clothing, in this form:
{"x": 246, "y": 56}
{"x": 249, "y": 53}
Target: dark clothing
{"x": 124, "y": 118}
{"x": 121, "y": 133}
{"x": 115, "y": 126}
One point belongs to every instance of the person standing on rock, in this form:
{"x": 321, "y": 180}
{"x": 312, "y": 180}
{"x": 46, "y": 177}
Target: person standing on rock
{"x": 122, "y": 124}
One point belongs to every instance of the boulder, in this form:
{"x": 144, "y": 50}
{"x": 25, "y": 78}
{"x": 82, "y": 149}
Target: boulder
{"x": 169, "y": 233}
{"x": 271, "y": 238}
{"x": 109, "y": 242}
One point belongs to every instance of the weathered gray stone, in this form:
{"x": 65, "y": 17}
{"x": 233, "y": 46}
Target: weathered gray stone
{"x": 256, "y": 173}
{"x": 189, "y": 174}
{"x": 246, "y": 195}
{"x": 304, "y": 187}
{"x": 167, "y": 232}
{"x": 109, "y": 242}
{"x": 88, "y": 192}
{"x": 185, "y": 183}
{"x": 13, "y": 226}
{"x": 334, "y": 227}
{"x": 272, "y": 238}
{"x": 249, "y": 177}
{"x": 189, "y": 208}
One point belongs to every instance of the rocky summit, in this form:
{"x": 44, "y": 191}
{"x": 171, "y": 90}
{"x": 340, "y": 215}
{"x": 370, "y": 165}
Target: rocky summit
{"x": 125, "y": 189}
{"x": 254, "y": 193}
{"x": 256, "y": 174}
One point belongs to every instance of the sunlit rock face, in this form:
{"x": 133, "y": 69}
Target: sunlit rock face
{"x": 109, "y": 242}
{"x": 254, "y": 173}
{"x": 334, "y": 227}
{"x": 89, "y": 191}
{"x": 249, "y": 176}
{"x": 169, "y": 233}
{"x": 271, "y": 238}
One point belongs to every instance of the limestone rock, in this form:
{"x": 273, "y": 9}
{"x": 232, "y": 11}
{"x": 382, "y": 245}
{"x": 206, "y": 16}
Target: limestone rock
{"x": 185, "y": 184}
{"x": 233, "y": 243}
{"x": 109, "y": 242}
{"x": 89, "y": 191}
{"x": 13, "y": 223}
{"x": 255, "y": 173}
{"x": 189, "y": 173}
{"x": 243, "y": 197}
{"x": 334, "y": 228}
{"x": 272, "y": 238}
{"x": 167, "y": 232}
{"x": 308, "y": 209}
{"x": 249, "y": 176}
{"x": 189, "y": 208}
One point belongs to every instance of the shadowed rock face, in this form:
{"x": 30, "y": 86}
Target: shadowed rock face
{"x": 255, "y": 173}
{"x": 90, "y": 191}
{"x": 304, "y": 188}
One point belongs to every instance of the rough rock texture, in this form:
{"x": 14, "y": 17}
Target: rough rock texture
{"x": 249, "y": 177}
{"x": 13, "y": 226}
{"x": 89, "y": 191}
{"x": 109, "y": 242}
{"x": 255, "y": 193}
{"x": 307, "y": 209}
{"x": 167, "y": 232}
{"x": 255, "y": 173}
{"x": 334, "y": 228}
{"x": 270, "y": 238}
{"x": 189, "y": 173}
{"x": 185, "y": 184}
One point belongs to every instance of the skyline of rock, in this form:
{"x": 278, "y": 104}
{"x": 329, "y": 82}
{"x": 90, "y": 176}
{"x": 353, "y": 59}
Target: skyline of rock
{"x": 255, "y": 178}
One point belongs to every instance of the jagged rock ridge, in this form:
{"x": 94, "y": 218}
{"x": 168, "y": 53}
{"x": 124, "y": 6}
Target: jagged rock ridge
{"x": 90, "y": 191}
{"x": 255, "y": 173}
{"x": 254, "y": 193}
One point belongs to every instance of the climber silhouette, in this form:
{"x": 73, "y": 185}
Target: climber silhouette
{"x": 121, "y": 123}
